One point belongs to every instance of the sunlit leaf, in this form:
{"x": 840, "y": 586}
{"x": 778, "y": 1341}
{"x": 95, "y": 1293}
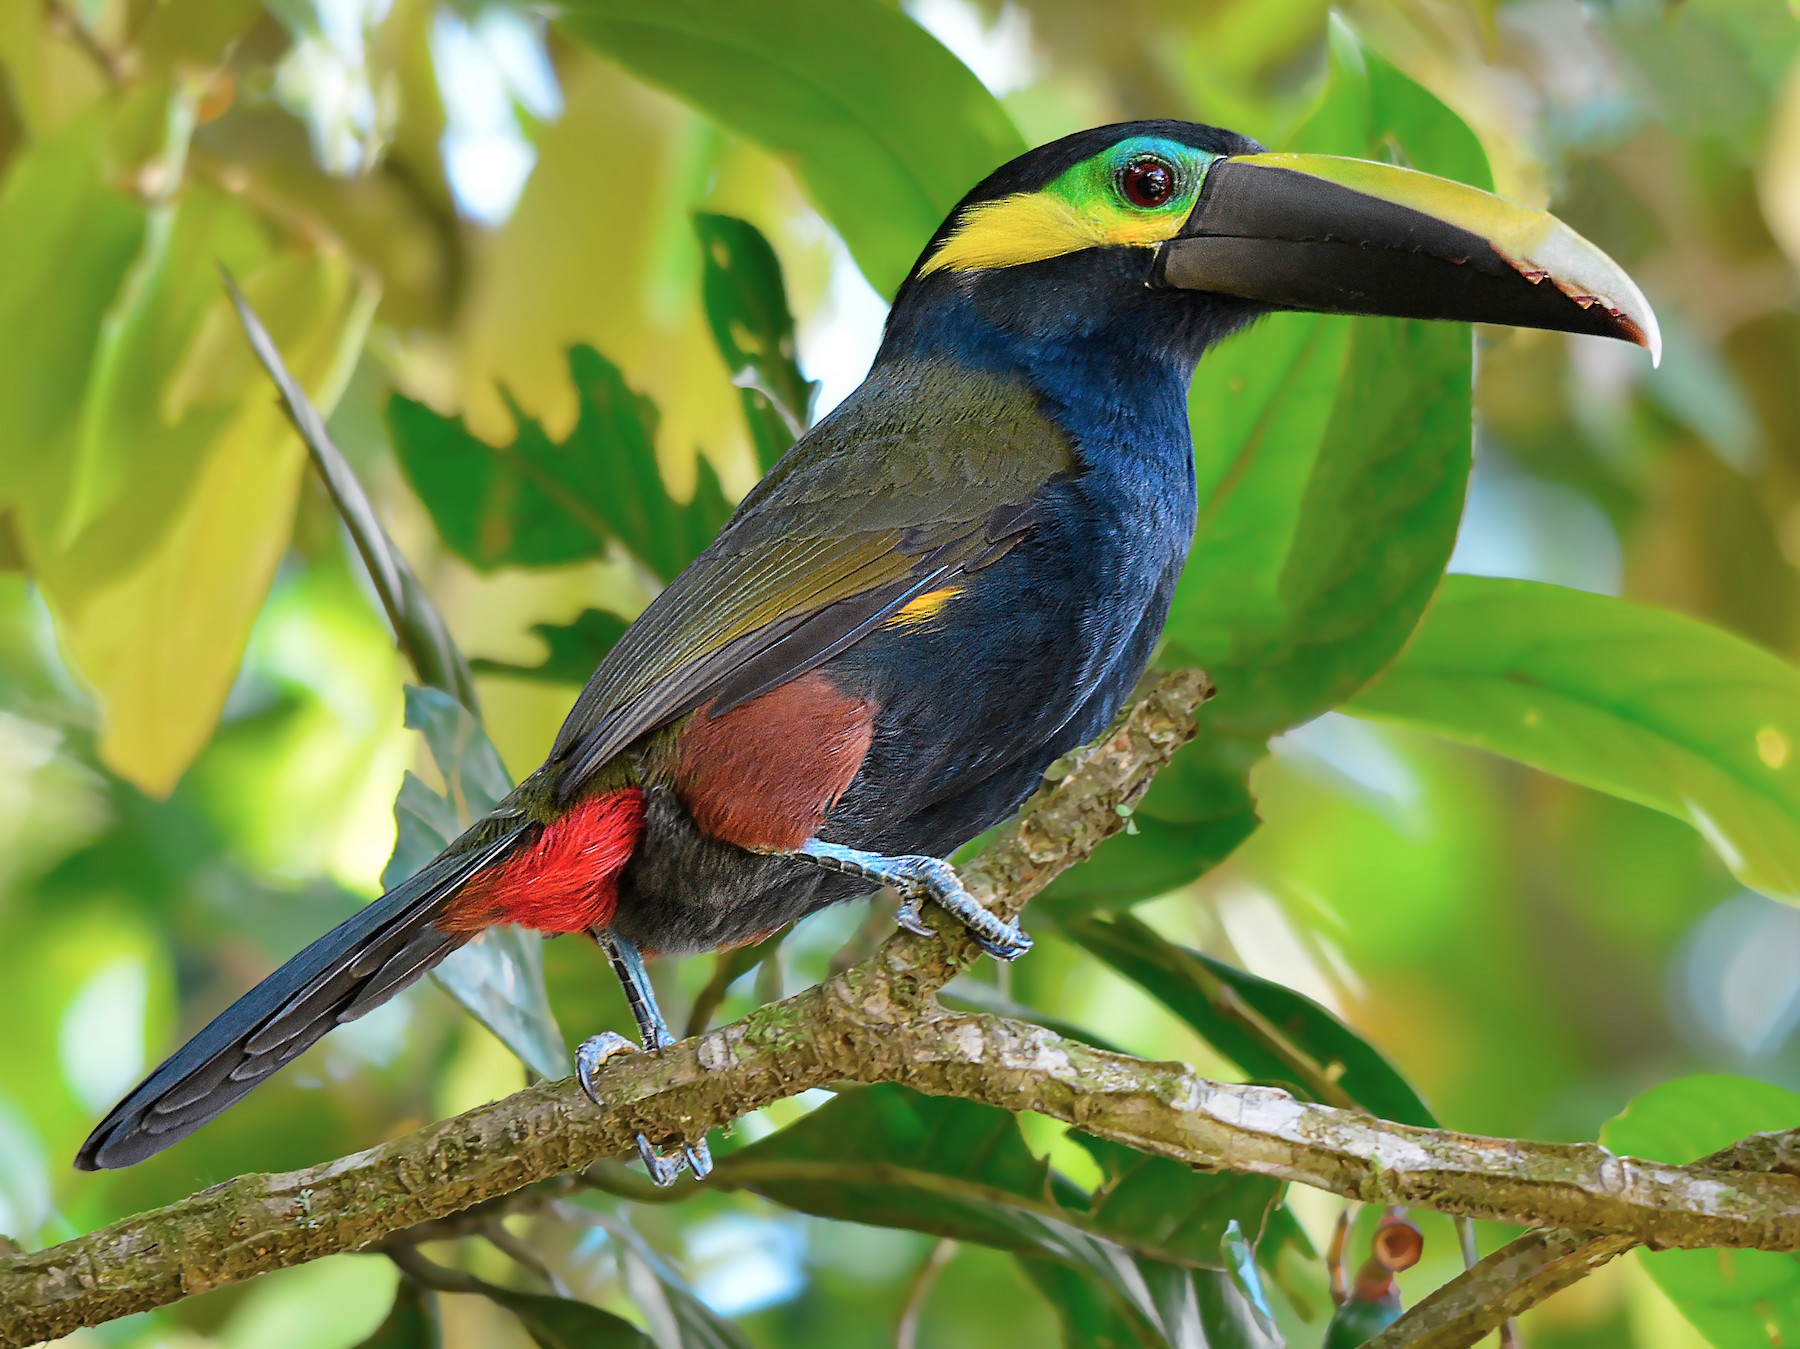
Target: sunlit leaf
{"x": 499, "y": 978}
{"x": 538, "y": 503}
{"x": 410, "y": 1325}
{"x": 1645, "y": 704}
{"x": 180, "y": 498}
{"x": 1331, "y": 455}
{"x": 884, "y": 128}
{"x": 69, "y": 238}
{"x": 1263, "y": 1027}
{"x": 1737, "y": 1299}
{"x": 575, "y": 648}
{"x": 747, "y": 309}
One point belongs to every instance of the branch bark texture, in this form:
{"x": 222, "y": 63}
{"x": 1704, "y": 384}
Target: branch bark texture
{"x": 1525, "y": 1271}
{"x": 879, "y": 1021}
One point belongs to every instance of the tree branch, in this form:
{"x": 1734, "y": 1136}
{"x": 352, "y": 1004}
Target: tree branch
{"x": 879, "y": 1021}
{"x": 1525, "y": 1271}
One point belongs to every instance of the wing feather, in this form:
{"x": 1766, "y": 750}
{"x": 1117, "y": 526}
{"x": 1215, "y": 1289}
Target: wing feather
{"x": 906, "y": 486}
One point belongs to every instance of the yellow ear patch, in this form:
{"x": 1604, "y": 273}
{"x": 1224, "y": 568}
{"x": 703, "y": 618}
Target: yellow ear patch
{"x": 923, "y": 609}
{"x": 1033, "y": 226}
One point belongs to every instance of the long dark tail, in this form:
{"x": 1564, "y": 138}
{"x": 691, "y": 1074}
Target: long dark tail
{"x": 352, "y": 969}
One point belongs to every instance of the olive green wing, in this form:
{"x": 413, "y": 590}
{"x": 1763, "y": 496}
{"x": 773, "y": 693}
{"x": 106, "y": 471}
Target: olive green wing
{"x": 889, "y": 500}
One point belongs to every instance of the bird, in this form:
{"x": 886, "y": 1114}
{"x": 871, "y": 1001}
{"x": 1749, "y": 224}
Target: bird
{"x": 948, "y": 583}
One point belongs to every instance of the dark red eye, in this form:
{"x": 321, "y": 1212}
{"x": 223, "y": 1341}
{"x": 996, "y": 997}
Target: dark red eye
{"x": 1147, "y": 181}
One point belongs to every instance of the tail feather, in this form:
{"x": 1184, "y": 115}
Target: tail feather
{"x": 351, "y": 970}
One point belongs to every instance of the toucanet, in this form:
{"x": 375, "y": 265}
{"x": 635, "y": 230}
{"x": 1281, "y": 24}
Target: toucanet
{"x": 951, "y": 581}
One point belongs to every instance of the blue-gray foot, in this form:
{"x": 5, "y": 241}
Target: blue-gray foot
{"x": 596, "y": 1051}
{"x": 916, "y": 880}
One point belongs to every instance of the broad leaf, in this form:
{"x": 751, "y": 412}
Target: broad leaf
{"x": 884, "y": 128}
{"x": 157, "y": 546}
{"x": 1645, "y": 704}
{"x": 1197, "y": 812}
{"x": 537, "y": 503}
{"x": 69, "y": 237}
{"x": 501, "y": 977}
{"x": 1264, "y": 1028}
{"x": 1737, "y": 1299}
{"x": 409, "y": 1325}
{"x": 952, "y": 1168}
{"x": 575, "y": 648}
{"x": 747, "y": 309}
{"x": 563, "y": 1323}
{"x": 1331, "y": 455}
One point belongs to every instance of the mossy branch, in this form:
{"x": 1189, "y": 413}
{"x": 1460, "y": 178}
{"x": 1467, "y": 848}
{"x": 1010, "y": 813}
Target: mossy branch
{"x": 879, "y": 1021}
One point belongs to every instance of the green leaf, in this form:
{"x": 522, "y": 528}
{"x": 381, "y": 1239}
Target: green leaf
{"x": 69, "y": 239}
{"x": 537, "y": 503}
{"x": 952, "y": 1168}
{"x": 157, "y": 537}
{"x": 1331, "y": 455}
{"x": 574, "y": 649}
{"x": 1189, "y": 1215}
{"x": 885, "y": 129}
{"x": 1264, "y": 1028}
{"x": 1197, "y": 812}
{"x": 418, "y": 627}
{"x": 410, "y": 1325}
{"x": 1356, "y": 1323}
{"x": 1737, "y": 1299}
{"x": 501, "y": 977}
{"x": 747, "y": 309}
{"x": 1645, "y": 704}
{"x": 1092, "y": 1317}
{"x": 563, "y": 1323}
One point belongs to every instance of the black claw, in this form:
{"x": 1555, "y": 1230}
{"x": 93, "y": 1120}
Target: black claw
{"x": 1015, "y": 944}
{"x": 909, "y": 918}
{"x": 699, "y": 1159}
{"x": 664, "y": 1171}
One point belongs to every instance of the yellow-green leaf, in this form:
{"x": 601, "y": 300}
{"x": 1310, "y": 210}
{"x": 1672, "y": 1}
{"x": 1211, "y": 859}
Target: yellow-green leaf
{"x": 885, "y": 128}
{"x": 1645, "y": 704}
{"x": 159, "y": 628}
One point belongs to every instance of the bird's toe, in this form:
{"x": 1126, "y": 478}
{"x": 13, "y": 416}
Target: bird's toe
{"x": 595, "y": 1053}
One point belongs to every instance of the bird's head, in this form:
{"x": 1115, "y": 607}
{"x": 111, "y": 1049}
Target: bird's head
{"x": 1165, "y": 236}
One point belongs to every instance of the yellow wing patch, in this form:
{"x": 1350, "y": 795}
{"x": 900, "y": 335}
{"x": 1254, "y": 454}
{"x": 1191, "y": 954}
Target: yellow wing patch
{"x": 1033, "y": 226}
{"x": 923, "y": 609}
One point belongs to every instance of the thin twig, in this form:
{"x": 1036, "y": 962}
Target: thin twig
{"x": 428, "y": 1273}
{"x": 918, "y": 1292}
{"x": 66, "y": 22}
{"x": 509, "y": 1245}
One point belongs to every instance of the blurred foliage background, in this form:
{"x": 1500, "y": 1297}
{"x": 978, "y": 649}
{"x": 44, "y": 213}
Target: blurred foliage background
{"x": 485, "y": 210}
